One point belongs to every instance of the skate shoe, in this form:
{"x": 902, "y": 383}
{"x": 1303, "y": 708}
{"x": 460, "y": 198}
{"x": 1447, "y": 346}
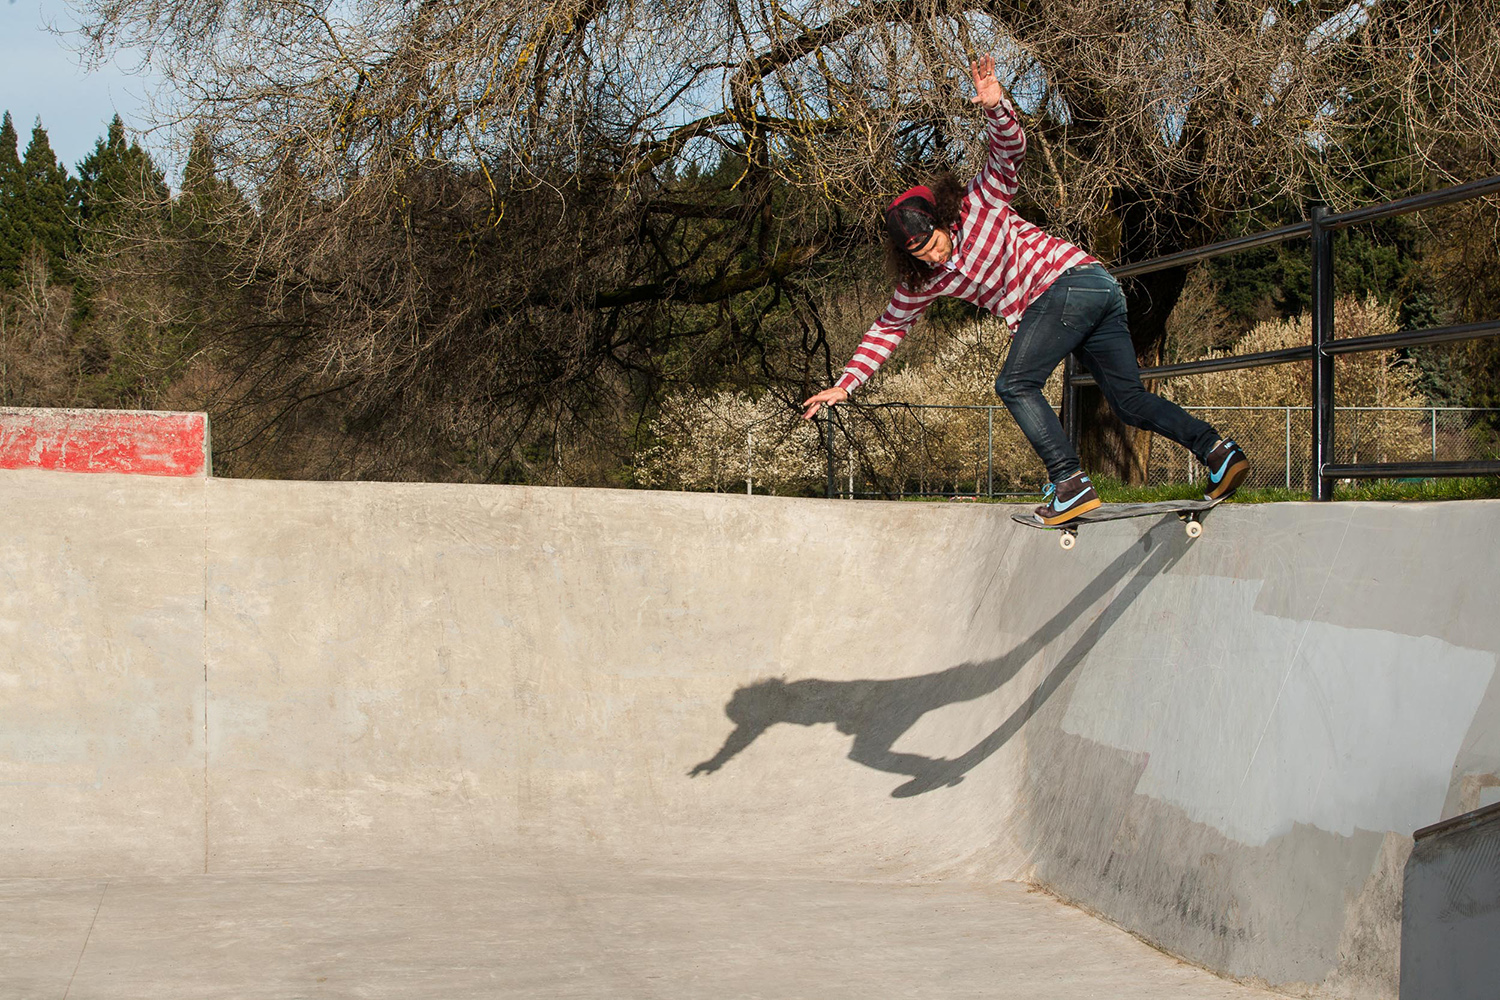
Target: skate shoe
{"x": 1227, "y": 468}
{"x": 1067, "y": 499}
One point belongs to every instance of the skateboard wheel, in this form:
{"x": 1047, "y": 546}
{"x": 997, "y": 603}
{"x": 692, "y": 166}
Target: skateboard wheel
{"x": 1194, "y": 528}
{"x": 1067, "y": 540}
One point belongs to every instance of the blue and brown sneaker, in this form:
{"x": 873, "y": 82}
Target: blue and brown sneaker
{"x": 1067, "y": 499}
{"x": 1227, "y": 468}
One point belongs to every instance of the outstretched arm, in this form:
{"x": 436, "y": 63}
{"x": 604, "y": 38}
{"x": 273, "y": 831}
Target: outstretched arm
{"x": 1006, "y": 144}
{"x": 883, "y": 337}
{"x": 1000, "y": 177}
{"x": 743, "y": 735}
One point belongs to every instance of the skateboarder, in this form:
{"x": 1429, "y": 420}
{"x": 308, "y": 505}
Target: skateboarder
{"x": 969, "y": 242}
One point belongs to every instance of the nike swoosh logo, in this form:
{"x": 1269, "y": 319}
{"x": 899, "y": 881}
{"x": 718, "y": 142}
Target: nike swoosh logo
{"x": 1064, "y": 506}
{"x": 1216, "y": 476}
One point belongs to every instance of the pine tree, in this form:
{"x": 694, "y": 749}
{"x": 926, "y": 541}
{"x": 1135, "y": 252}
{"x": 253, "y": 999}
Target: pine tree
{"x": 10, "y": 149}
{"x": 43, "y": 212}
{"x": 198, "y": 174}
{"x": 12, "y": 244}
{"x": 205, "y": 198}
{"x": 114, "y": 180}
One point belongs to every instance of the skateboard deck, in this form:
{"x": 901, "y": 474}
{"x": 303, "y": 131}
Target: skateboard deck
{"x": 1190, "y": 511}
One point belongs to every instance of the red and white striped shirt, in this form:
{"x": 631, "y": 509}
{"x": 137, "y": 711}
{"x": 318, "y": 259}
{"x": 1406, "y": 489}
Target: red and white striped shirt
{"x": 1000, "y": 261}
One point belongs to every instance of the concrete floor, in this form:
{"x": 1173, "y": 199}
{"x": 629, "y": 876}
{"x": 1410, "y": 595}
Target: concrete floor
{"x": 548, "y": 932}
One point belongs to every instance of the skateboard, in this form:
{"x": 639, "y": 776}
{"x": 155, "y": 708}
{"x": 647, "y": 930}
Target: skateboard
{"x": 1190, "y": 511}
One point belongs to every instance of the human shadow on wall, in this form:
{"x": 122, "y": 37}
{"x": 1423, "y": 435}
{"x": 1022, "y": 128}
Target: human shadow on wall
{"x": 878, "y": 712}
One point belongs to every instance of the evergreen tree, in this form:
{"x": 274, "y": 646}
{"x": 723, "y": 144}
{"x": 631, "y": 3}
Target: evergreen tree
{"x": 205, "y": 199}
{"x": 10, "y": 150}
{"x": 1381, "y": 258}
{"x": 43, "y": 216}
{"x": 12, "y": 245}
{"x": 198, "y": 174}
{"x": 114, "y": 180}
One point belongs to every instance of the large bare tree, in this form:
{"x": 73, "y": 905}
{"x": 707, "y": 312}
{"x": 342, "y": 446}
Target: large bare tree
{"x": 500, "y": 225}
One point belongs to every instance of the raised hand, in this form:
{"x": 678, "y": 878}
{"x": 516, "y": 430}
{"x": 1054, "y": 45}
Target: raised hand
{"x": 986, "y": 88}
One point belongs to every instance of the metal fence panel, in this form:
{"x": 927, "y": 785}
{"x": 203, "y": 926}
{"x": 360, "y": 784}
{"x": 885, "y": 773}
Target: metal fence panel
{"x": 978, "y": 451}
{"x": 1450, "y": 915}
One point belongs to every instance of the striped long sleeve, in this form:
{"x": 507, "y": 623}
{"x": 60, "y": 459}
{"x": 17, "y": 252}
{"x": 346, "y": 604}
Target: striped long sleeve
{"x": 884, "y": 336}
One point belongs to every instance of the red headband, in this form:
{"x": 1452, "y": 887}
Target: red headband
{"x": 920, "y": 191}
{"x": 911, "y": 218}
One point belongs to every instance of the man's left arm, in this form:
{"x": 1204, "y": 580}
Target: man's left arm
{"x": 1007, "y": 142}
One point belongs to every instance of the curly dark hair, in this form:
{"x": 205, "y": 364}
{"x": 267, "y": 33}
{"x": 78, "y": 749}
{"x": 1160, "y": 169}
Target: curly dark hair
{"x": 901, "y": 266}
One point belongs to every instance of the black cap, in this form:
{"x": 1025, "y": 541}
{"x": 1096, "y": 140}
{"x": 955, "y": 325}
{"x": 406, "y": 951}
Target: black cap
{"x": 911, "y": 218}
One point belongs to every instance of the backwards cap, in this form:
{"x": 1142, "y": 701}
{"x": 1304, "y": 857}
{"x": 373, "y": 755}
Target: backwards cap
{"x": 912, "y": 217}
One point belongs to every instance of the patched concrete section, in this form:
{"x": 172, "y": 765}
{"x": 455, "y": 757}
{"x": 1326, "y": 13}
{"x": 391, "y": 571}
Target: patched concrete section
{"x": 1302, "y": 722}
{"x": 1257, "y": 764}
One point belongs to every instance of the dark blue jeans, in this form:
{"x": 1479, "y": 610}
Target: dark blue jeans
{"x": 1083, "y": 313}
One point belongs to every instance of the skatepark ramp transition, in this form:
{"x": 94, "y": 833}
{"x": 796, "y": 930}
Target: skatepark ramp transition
{"x": 1220, "y": 745}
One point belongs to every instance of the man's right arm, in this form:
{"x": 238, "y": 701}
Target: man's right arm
{"x": 884, "y": 335}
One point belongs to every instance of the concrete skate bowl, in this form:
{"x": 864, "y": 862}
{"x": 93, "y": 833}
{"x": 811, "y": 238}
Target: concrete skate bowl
{"x": 1221, "y": 745}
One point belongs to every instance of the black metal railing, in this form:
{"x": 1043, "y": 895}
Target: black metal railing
{"x": 1324, "y": 347}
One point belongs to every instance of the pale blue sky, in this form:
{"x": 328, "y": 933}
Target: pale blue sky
{"x": 41, "y": 75}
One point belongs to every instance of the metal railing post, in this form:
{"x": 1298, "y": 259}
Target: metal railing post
{"x": 1288, "y": 447}
{"x": 832, "y": 487}
{"x": 749, "y": 459}
{"x": 1322, "y": 373}
{"x": 922, "y": 450}
{"x": 990, "y": 458}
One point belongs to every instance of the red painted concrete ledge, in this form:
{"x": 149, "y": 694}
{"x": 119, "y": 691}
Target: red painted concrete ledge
{"x": 130, "y": 441}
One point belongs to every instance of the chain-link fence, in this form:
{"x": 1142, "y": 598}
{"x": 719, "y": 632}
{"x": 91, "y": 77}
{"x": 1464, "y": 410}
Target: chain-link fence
{"x": 1277, "y": 438}
{"x": 929, "y": 450}
{"x": 978, "y": 451}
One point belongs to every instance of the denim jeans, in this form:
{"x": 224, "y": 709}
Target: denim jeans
{"x": 1083, "y": 313}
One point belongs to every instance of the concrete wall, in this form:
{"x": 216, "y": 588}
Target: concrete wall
{"x": 1222, "y": 745}
{"x": 101, "y": 673}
